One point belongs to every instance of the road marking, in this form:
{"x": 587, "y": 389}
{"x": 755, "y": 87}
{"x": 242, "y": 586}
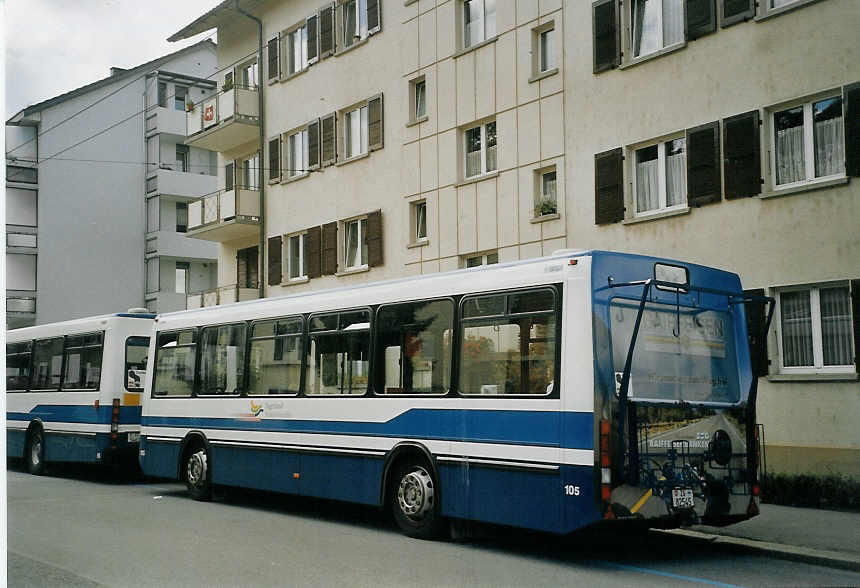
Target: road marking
{"x": 627, "y": 568}
{"x": 642, "y": 501}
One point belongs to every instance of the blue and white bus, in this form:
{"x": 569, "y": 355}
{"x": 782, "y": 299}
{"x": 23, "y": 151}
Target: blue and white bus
{"x": 73, "y": 389}
{"x": 548, "y": 394}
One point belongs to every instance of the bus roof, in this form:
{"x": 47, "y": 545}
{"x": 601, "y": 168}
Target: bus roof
{"x": 73, "y": 325}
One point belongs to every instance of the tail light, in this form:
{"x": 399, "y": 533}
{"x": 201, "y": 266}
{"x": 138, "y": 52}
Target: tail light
{"x": 605, "y": 468}
{"x": 114, "y": 420}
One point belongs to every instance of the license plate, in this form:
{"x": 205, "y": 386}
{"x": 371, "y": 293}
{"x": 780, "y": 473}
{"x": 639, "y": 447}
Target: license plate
{"x": 682, "y": 497}
{"x": 134, "y": 437}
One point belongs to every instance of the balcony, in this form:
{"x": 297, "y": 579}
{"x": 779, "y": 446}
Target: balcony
{"x": 220, "y": 296}
{"x": 225, "y": 121}
{"x": 225, "y": 215}
{"x": 166, "y": 120}
{"x": 189, "y": 185}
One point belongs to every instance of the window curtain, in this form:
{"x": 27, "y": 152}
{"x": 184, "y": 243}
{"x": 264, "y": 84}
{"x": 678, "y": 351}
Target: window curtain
{"x": 836, "y": 326}
{"x": 647, "y": 185}
{"x": 673, "y": 22}
{"x": 473, "y": 152}
{"x": 829, "y": 147}
{"x": 351, "y": 244}
{"x": 676, "y": 179}
{"x": 491, "y": 146}
{"x": 789, "y": 155}
{"x": 796, "y": 316}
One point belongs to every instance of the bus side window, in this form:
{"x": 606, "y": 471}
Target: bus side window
{"x": 47, "y": 364}
{"x": 18, "y": 365}
{"x": 413, "y": 346}
{"x": 83, "y": 359}
{"x": 175, "y": 358}
{"x": 508, "y": 344}
{"x": 338, "y": 353}
{"x": 275, "y": 359}
{"x": 222, "y": 360}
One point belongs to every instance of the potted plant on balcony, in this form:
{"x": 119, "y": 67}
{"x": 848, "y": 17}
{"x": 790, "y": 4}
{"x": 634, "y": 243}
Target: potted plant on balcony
{"x": 545, "y": 206}
{"x": 189, "y": 104}
{"x": 227, "y": 85}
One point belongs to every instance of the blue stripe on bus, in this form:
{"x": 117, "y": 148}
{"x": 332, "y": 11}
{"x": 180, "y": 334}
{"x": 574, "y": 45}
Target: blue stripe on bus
{"x": 575, "y": 429}
{"x": 77, "y": 413}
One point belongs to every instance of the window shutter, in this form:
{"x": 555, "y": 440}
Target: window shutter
{"x": 326, "y": 31}
{"x": 328, "y": 139}
{"x": 701, "y": 18}
{"x": 852, "y": 130}
{"x": 374, "y": 238}
{"x": 274, "y": 260}
{"x": 274, "y": 158}
{"x": 741, "y": 159}
{"x": 229, "y": 177}
{"x": 329, "y": 249}
{"x": 605, "y": 29}
{"x": 374, "y": 17}
{"x": 735, "y": 11}
{"x": 608, "y": 187}
{"x": 375, "y": 128}
{"x": 313, "y": 38}
{"x": 756, "y": 335}
{"x": 314, "y": 144}
{"x": 313, "y": 252}
{"x": 273, "y": 58}
{"x": 703, "y": 164}
{"x": 855, "y": 311}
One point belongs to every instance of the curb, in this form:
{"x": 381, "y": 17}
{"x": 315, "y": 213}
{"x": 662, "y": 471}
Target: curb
{"x": 832, "y": 559}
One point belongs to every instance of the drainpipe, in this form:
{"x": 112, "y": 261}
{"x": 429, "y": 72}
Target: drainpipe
{"x": 261, "y": 176}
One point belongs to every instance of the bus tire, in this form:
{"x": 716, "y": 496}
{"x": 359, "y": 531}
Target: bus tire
{"x": 413, "y": 495}
{"x": 197, "y": 473}
{"x": 34, "y": 452}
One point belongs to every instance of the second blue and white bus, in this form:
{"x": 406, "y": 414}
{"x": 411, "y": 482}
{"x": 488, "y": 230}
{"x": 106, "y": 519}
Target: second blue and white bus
{"x": 549, "y": 394}
{"x": 73, "y": 389}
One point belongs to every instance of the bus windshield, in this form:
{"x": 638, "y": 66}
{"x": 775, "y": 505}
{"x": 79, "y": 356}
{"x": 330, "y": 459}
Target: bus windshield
{"x": 681, "y": 354}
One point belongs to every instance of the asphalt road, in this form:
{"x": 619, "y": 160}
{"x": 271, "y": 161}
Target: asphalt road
{"x": 80, "y": 527}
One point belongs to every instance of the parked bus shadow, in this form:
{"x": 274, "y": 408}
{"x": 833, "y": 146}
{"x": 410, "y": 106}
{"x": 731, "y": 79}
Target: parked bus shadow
{"x": 126, "y": 473}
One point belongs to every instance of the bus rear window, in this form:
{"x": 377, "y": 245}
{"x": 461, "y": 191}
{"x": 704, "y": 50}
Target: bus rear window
{"x": 687, "y": 355}
{"x": 136, "y": 352}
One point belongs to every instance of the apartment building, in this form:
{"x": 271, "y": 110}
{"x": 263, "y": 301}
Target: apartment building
{"x": 402, "y": 137}
{"x": 97, "y": 186}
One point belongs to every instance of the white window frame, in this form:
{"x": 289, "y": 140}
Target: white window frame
{"x": 540, "y": 195}
{"x": 808, "y": 141}
{"x": 359, "y": 221}
{"x": 416, "y": 206}
{"x": 486, "y": 34}
{"x": 363, "y": 112}
{"x": 295, "y": 169}
{"x": 484, "y": 168}
{"x": 765, "y": 9}
{"x": 183, "y": 271}
{"x": 252, "y": 163}
{"x": 484, "y": 257}
{"x": 360, "y": 33}
{"x": 303, "y": 261}
{"x": 297, "y": 34}
{"x": 817, "y": 337}
{"x": 661, "y": 167}
{"x": 629, "y": 15}
{"x": 546, "y": 56}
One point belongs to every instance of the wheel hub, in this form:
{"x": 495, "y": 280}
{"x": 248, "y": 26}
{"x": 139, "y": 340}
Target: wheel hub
{"x": 36, "y": 451}
{"x": 415, "y": 494}
{"x": 196, "y": 470}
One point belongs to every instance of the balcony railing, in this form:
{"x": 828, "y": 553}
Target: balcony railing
{"x": 224, "y": 121}
{"x": 225, "y": 215}
{"x": 220, "y": 296}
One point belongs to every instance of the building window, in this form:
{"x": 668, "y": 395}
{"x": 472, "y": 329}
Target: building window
{"x": 182, "y": 277}
{"x": 661, "y": 176}
{"x": 418, "y": 99}
{"x": 808, "y": 142}
{"x": 247, "y": 268}
{"x": 546, "y": 200}
{"x": 179, "y": 94}
{"x": 355, "y": 243}
{"x": 162, "y": 94}
{"x": 181, "y": 217}
{"x": 249, "y": 172}
{"x": 480, "y": 149}
{"x": 419, "y": 221}
{"x": 816, "y": 329}
{"x": 355, "y": 132}
{"x": 656, "y": 24}
{"x": 486, "y": 259}
{"x": 545, "y": 45}
{"x": 248, "y": 75}
{"x": 479, "y": 21}
{"x": 297, "y": 50}
{"x": 354, "y": 22}
{"x": 297, "y": 264}
{"x": 182, "y": 158}
{"x": 297, "y": 153}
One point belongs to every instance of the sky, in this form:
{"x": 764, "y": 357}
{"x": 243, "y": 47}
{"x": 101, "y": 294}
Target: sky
{"x": 53, "y": 46}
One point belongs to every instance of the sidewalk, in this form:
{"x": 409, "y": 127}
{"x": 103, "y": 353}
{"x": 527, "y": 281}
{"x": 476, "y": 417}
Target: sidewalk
{"x": 824, "y": 537}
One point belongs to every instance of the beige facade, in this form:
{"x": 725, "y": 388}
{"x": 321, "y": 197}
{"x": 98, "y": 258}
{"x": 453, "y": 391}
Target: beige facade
{"x": 497, "y": 162}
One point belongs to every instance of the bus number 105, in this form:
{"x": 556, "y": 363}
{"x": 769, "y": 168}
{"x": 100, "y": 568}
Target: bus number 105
{"x": 571, "y": 490}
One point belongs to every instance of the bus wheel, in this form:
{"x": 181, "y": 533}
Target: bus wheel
{"x": 197, "y": 476}
{"x": 35, "y": 452}
{"x": 414, "y": 501}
